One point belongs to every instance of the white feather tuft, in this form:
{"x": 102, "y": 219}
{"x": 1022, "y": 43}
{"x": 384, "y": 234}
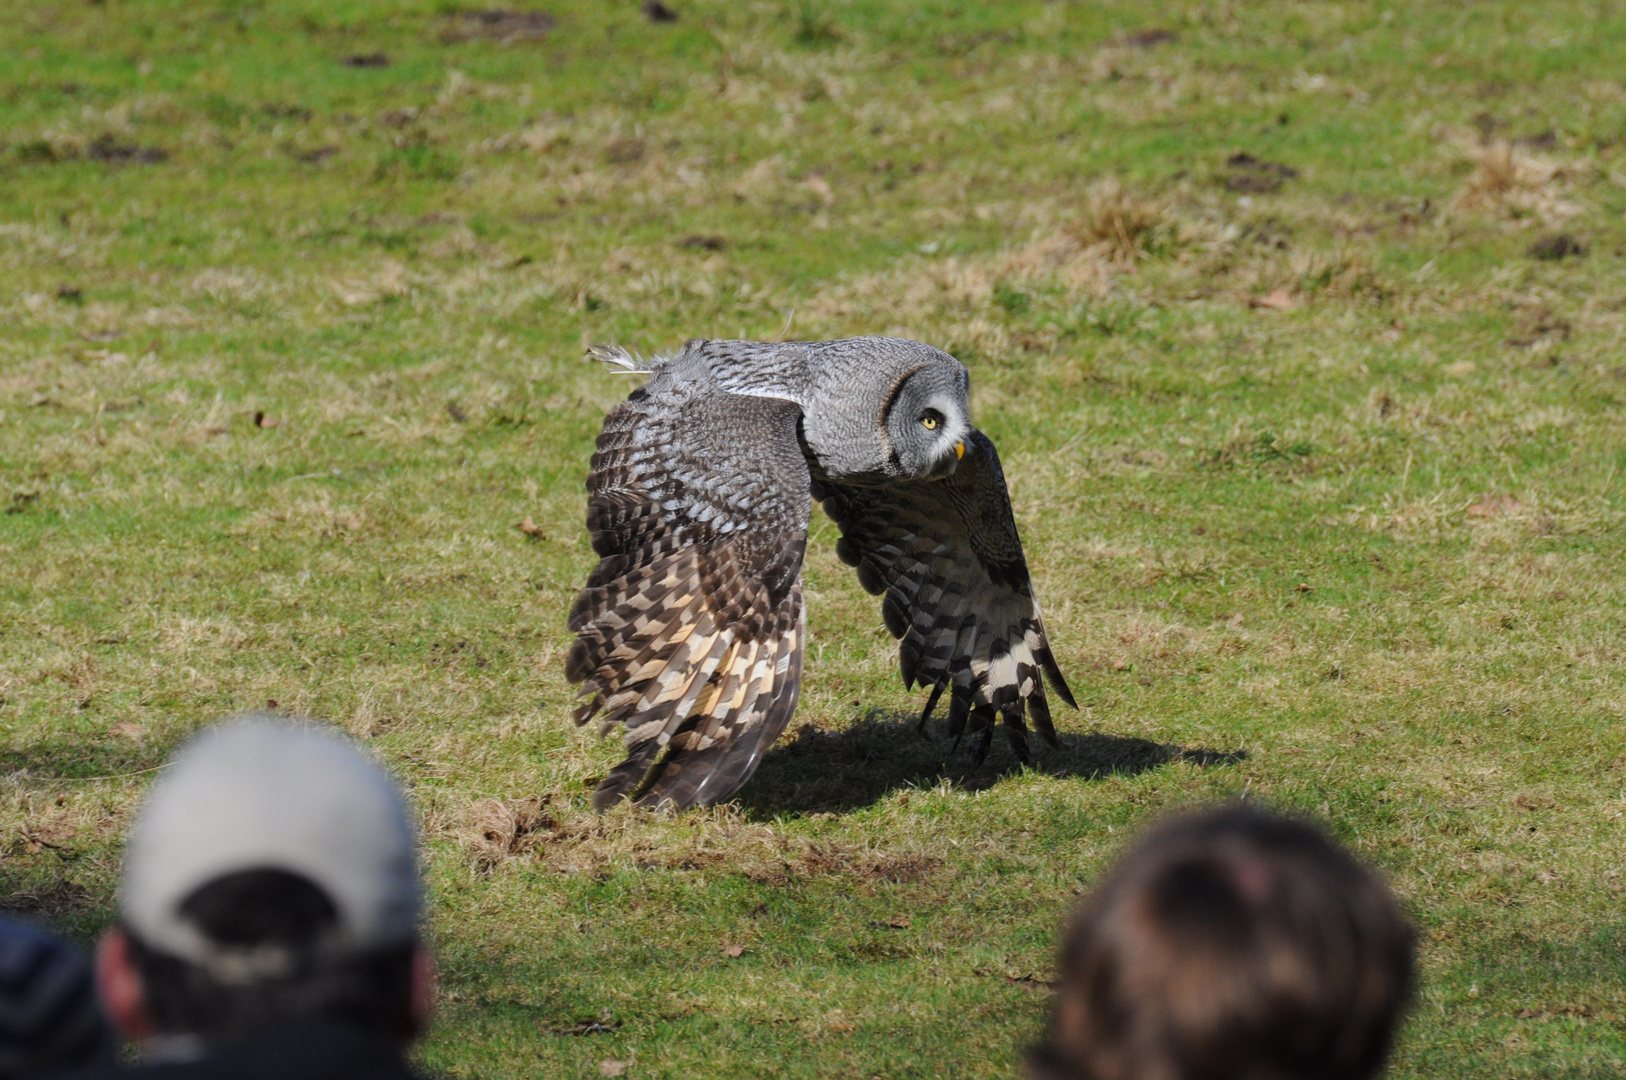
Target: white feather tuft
{"x": 621, "y": 360}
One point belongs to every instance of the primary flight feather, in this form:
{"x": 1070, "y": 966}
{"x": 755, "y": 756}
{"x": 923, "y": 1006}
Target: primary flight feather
{"x": 690, "y": 629}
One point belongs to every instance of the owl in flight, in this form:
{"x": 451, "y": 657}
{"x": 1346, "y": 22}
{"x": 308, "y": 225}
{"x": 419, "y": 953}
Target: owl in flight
{"x": 689, "y": 631}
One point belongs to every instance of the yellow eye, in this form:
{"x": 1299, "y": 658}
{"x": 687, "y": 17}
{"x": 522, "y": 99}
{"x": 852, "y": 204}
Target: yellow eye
{"x": 929, "y": 423}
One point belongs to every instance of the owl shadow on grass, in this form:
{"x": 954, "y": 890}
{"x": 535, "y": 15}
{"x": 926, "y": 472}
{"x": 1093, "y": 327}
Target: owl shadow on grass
{"x": 813, "y": 770}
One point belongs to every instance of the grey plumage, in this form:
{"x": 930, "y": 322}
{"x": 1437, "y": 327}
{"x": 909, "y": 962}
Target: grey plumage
{"x": 690, "y": 629}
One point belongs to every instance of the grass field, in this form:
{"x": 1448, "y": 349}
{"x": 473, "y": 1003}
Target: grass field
{"x": 1299, "y": 326}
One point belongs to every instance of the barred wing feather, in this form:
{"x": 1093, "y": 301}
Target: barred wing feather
{"x": 946, "y": 560}
{"x": 690, "y": 629}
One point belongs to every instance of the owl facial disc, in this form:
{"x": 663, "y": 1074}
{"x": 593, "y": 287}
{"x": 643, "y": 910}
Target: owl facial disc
{"x": 927, "y": 423}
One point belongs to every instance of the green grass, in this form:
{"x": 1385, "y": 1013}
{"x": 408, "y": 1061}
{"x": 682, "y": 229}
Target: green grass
{"x": 1361, "y": 558}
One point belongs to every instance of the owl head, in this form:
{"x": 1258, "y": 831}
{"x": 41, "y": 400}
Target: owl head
{"x": 886, "y": 408}
{"x": 927, "y": 421}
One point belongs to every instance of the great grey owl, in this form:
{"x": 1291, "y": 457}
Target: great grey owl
{"x": 690, "y": 630}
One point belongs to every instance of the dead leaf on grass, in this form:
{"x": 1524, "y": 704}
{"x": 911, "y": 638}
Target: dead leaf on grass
{"x": 530, "y": 528}
{"x": 735, "y": 951}
{"x": 261, "y": 420}
{"x": 1494, "y": 506}
{"x": 1274, "y": 300}
{"x": 819, "y": 186}
{"x": 36, "y": 843}
{"x": 897, "y": 922}
{"x": 128, "y": 731}
{"x": 612, "y": 1067}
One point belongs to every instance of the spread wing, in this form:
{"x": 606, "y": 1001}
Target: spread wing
{"x": 945, "y": 557}
{"x": 689, "y": 631}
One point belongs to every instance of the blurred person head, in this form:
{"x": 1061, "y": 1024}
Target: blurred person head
{"x": 270, "y": 876}
{"x": 1230, "y": 944}
{"x": 49, "y": 1019}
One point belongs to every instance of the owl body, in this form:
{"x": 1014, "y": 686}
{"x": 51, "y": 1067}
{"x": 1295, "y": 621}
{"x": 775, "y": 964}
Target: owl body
{"x": 690, "y": 630}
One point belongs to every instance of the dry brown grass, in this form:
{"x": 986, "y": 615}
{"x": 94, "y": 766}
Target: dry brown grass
{"x": 1120, "y": 221}
{"x": 1524, "y": 186}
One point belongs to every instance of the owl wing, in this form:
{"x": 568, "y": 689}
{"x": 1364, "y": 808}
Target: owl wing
{"x": 689, "y": 631}
{"x": 945, "y": 556}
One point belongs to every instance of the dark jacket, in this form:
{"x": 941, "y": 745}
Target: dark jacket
{"x": 296, "y": 1050}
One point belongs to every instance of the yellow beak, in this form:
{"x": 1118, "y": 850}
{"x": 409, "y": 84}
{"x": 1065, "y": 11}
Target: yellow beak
{"x": 959, "y": 450}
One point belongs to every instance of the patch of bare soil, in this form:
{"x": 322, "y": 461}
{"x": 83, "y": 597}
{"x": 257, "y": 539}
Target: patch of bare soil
{"x": 107, "y": 148}
{"x": 1556, "y": 247}
{"x": 1248, "y": 175}
{"x": 505, "y": 27}
{"x": 1146, "y": 39}
{"x": 1537, "y": 323}
{"x": 838, "y": 860}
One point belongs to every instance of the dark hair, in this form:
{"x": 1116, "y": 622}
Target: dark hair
{"x": 1230, "y": 945}
{"x": 275, "y": 909}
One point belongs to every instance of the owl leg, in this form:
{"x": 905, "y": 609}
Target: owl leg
{"x": 1016, "y": 730}
{"x": 642, "y": 794}
{"x": 982, "y": 728}
{"x": 959, "y": 710}
{"x": 626, "y": 776}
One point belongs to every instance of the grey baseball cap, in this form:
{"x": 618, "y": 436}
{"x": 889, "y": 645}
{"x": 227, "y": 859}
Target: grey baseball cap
{"x": 262, "y": 792}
